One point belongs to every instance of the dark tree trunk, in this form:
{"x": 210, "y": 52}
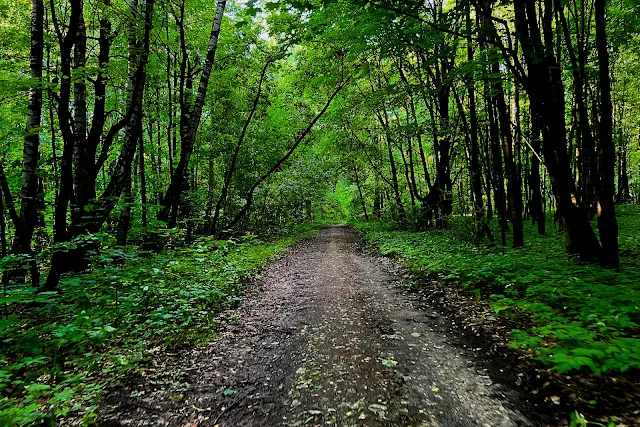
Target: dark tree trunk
{"x": 143, "y": 180}
{"x": 81, "y": 164}
{"x": 93, "y": 221}
{"x": 514, "y": 186}
{"x": 384, "y": 122}
{"x": 537, "y": 211}
{"x": 171, "y": 200}
{"x": 607, "y": 222}
{"x": 65, "y": 193}
{"x": 31, "y": 148}
{"x": 443, "y": 164}
{"x": 394, "y": 178}
{"x": 91, "y": 165}
{"x": 377, "y": 204}
{"x": 623, "y": 175}
{"x": 362, "y": 201}
{"x": 544, "y": 86}
{"x": 124, "y": 221}
{"x": 474, "y": 152}
{"x": 498, "y": 172}
{"x": 8, "y": 198}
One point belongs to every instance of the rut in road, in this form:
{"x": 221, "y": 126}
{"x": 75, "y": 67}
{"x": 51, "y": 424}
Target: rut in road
{"x": 327, "y": 336}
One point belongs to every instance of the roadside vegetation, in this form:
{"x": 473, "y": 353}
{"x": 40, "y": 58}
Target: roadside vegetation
{"x": 581, "y": 321}
{"x": 574, "y": 316}
{"x": 62, "y": 349}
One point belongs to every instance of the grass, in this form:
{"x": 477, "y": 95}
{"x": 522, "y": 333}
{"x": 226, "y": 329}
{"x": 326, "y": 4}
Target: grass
{"x": 573, "y": 316}
{"x": 60, "y": 351}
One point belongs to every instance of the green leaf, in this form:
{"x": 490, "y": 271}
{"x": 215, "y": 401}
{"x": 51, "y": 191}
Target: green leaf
{"x": 389, "y": 363}
{"x": 229, "y": 392}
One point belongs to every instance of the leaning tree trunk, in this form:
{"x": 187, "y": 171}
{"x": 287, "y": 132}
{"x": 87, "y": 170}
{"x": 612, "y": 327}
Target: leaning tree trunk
{"x": 171, "y": 200}
{"x": 234, "y": 158}
{"x": 299, "y": 138}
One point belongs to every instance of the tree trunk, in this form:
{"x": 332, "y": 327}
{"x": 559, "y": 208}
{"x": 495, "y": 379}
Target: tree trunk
{"x": 362, "y": 202}
{"x": 474, "y": 164}
{"x": 124, "y": 221}
{"x": 496, "y": 156}
{"x": 537, "y": 211}
{"x": 514, "y": 186}
{"x": 236, "y": 151}
{"x": 81, "y": 164}
{"x": 93, "y": 221}
{"x": 607, "y": 222}
{"x": 544, "y": 86}
{"x": 394, "y": 171}
{"x": 31, "y": 148}
{"x": 143, "y": 180}
{"x": 173, "y": 195}
{"x": 299, "y": 138}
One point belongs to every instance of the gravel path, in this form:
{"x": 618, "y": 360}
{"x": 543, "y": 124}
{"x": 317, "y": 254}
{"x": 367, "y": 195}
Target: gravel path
{"x": 328, "y": 336}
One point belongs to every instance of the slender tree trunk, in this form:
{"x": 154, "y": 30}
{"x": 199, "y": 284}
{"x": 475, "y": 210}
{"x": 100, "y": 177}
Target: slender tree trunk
{"x": 443, "y": 166}
{"x": 31, "y": 148}
{"x": 3, "y": 253}
{"x": 514, "y": 186}
{"x": 362, "y": 202}
{"x": 172, "y": 197}
{"x": 143, "y": 180}
{"x": 496, "y": 155}
{"x": 623, "y": 175}
{"x": 394, "y": 171}
{"x": 65, "y": 194}
{"x": 406, "y": 175}
{"x": 80, "y": 161}
{"x": 474, "y": 166}
{"x": 537, "y": 210}
{"x": 299, "y": 138}
{"x": 210, "y": 192}
{"x": 236, "y": 151}
{"x": 124, "y": 221}
{"x": 607, "y": 222}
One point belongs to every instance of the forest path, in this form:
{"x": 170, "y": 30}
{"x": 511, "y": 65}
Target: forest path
{"x": 328, "y": 336}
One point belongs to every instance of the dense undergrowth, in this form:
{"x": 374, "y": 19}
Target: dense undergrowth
{"x": 61, "y": 350}
{"x": 571, "y": 316}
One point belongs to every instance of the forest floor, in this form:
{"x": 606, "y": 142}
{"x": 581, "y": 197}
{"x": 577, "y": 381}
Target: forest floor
{"x": 330, "y": 335}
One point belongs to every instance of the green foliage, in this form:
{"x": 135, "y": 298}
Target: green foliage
{"x": 572, "y": 316}
{"x": 579, "y": 420}
{"x": 60, "y": 350}
{"x": 339, "y": 203}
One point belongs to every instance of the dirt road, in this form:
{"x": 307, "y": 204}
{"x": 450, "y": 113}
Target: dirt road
{"x": 328, "y": 336}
